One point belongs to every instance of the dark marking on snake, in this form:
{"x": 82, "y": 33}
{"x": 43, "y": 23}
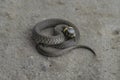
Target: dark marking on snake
{"x": 65, "y": 38}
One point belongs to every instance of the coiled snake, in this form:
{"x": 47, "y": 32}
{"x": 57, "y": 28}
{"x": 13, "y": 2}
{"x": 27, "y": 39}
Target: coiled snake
{"x": 65, "y": 37}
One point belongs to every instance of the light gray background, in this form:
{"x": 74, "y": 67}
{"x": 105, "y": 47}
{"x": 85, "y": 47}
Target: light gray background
{"x": 99, "y": 25}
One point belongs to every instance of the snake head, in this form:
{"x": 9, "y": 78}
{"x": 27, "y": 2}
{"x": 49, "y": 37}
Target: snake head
{"x": 69, "y": 32}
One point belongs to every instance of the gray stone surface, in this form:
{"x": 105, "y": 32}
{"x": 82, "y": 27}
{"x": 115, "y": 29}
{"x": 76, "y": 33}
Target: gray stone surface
{"x": 99, "y": 25}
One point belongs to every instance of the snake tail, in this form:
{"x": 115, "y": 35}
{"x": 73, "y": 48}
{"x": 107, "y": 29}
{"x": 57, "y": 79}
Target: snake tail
{"x": 86, "y": 47}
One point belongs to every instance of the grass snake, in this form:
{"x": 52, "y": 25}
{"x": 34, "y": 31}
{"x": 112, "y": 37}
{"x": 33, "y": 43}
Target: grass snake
{"x": 65, "y": 37}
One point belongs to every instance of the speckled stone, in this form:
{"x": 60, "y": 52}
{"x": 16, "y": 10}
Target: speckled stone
{"x": 99, "y": 25}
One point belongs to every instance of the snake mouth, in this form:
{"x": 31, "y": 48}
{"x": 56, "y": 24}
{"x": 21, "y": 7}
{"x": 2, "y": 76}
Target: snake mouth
{"x": 69, "y": 32}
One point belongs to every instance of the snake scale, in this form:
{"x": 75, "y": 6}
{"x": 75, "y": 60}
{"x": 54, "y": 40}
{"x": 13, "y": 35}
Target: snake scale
{"x": 65, "y": 37}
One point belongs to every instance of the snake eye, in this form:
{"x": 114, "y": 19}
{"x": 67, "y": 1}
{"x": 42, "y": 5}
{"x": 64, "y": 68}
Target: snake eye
{"x": 69, "y": 32}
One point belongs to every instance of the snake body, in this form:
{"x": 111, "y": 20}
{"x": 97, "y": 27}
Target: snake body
{"x": 58, "y": 43}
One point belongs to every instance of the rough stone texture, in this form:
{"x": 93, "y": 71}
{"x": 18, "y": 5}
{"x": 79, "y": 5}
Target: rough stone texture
{"x": 99, "y": 25}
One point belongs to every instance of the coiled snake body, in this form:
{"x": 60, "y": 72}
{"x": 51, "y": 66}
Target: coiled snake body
{"x": 65, "y": 37}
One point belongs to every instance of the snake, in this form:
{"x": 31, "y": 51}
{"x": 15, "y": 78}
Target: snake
{"x": 64, "y": 38}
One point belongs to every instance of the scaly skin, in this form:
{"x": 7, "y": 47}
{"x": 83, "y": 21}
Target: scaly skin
{"x": 53, "y": 46}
